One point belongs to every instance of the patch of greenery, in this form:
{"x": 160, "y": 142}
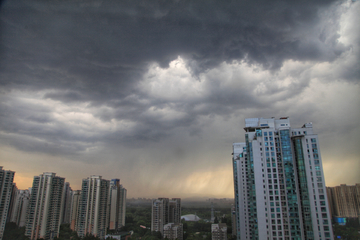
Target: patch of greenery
{"x": 13, "y": 232}
{"x": 350, "y": 231}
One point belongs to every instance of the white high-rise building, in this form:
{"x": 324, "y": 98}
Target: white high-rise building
{"x": 279, "y": 183}
{"x": 114, "y": 204}
{"x": 117, "y": 205}
{"x": 165, "y": 211}
{"x": 93, "y": 207}
{"x": 159, "y": 215}
{"x": 76, "y": 194}
{"x": 21, "y": 202}
{"x": 122, "y": 214}
{"x": 45, "y": 207}
{"x": 175, "y": 210}
{"x": 6, "y": 188}
{"x": 173, "y": 231}
{"x": 219, "y": 231}
{"x": 66, "y": 214}
{"x": 14, "y": 192}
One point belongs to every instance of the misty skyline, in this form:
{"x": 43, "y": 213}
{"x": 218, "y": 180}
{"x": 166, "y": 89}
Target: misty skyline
{"x": 155, "y": 93}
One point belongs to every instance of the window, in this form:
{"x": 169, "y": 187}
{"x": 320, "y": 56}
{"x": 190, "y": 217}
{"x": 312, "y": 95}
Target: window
{"x": 313, "y": 140}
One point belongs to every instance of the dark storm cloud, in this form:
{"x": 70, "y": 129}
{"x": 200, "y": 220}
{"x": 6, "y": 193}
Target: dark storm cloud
{"x": 97, "y": 52}
{"x": 105, "y": 44}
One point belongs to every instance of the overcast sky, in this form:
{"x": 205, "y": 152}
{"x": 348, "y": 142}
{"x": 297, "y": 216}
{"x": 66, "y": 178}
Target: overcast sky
{"x": 156, "y": 92}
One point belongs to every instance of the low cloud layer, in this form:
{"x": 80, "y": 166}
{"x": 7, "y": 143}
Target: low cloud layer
{"x": 156, "y": 93}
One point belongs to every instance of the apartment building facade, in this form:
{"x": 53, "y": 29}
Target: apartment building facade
{"x": 279, "y": 184}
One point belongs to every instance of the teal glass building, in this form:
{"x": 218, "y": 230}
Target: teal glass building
{"x": 279, "y": 184}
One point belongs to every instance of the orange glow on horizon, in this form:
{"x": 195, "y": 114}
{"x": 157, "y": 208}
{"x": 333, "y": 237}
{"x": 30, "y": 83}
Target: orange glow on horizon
{"x": 23, "y": 182}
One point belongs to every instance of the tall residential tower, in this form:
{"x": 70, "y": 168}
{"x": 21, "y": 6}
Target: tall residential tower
{"x": 21, "y": 202}
{"x": 165, "y": 211}
{"x": 6, "y": 188}
{"x": 279, "y": 183}
{"x": 45, "y": 207}
{"x": 93, "y": 207}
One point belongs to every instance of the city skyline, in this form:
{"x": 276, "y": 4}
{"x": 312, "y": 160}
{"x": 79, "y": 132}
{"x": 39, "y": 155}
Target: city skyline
{"x": 156, "y": 93}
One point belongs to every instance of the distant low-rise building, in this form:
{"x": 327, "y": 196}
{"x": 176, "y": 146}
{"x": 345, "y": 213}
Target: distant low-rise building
{"x": 219, "y": 231}
{"x": 344, "y": 201}
{"x": 119, "y": 236}
{"x": 173, "y": 231}
{"x": 190, "y": 218}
